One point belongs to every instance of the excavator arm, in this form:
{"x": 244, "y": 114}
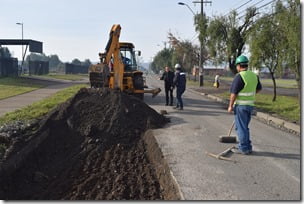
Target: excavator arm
{"x": 112, "y": 51}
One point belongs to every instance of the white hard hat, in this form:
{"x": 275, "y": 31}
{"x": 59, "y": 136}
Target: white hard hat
{"x": 177, "y": 66}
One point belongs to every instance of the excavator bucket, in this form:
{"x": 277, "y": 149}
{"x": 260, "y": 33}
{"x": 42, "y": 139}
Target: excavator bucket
{"x": 153, "y": 91}
{"x": 156, "y": 92}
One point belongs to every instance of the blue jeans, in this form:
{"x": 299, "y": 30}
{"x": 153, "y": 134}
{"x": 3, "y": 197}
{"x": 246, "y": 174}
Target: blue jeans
{"x": 179, "y": 93}
{"x": 242, "y": 114}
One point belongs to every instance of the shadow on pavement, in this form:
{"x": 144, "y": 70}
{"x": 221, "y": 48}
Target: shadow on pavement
{"x": 277, "y": 155}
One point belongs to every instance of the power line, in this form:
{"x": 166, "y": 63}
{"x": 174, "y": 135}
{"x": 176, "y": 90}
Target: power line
{"x": 237, "y": 3}
{"x": 259, "y": 7}
{"x": 266, "y": 4}
{"x": 238, "y": 7}
{"x": 275, "y": 13}
{"x": 250, "y": 6}
{"x": 194, "y": 37}
{"x": 243, "y": 5}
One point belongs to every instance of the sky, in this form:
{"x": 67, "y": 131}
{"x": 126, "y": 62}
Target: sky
{"x": 80, "y": 28}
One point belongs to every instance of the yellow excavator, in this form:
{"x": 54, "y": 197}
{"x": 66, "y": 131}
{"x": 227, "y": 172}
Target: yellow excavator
{"x": 118, "y": 69}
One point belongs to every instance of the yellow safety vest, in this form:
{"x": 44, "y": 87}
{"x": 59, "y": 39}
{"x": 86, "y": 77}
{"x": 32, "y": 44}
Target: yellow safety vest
{"x": 247, "y": 95}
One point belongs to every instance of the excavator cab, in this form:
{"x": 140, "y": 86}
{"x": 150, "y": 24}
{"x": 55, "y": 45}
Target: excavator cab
{"x": 128, "y": 58}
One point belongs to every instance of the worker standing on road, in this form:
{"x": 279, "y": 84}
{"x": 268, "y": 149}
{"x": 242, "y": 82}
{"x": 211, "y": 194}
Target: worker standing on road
{"x": 168, "y": 76}
{"x": 179, "y": 82}
{"x": 217, "y": 81}
{"x": 242, "y": 95}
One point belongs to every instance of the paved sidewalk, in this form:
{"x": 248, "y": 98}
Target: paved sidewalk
{"x": 22, "y": 100}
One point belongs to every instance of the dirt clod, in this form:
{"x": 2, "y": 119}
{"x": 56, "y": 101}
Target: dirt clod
{"x": 89, "y": 148}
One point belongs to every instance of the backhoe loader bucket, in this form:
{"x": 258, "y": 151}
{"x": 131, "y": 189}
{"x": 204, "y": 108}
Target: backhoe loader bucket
{"x": 153, "y": 91}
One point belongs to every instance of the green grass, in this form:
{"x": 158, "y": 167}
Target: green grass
{"x": 15, "y": 86}
{"x": 42, "y": 107}
{"x": 281, "y": 83}
{"x": 286, "y": 107}
{"x": 72, "y": 77}
{"x": 207, "y": 82}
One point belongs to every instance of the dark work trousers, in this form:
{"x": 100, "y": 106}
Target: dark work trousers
{"x": 168, "y": 91}
{"x": 179, "y": 93}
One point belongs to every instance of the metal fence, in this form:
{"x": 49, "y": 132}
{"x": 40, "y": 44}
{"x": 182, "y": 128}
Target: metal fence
{"x": 75, "y": 69}
{"x": 8, "y": 67}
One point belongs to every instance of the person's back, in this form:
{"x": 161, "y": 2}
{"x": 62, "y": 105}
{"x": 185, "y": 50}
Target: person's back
{"x": 179, "y": 82}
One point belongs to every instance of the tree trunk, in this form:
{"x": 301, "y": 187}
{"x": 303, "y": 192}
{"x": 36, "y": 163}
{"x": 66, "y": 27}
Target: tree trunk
{"x": 274, "y": 87}
{"x": 298, "y": 79}
{"x": 232, "y": 66}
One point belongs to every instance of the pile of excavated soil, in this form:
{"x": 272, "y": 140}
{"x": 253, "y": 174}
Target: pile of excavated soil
{"x": 89, "y": 148}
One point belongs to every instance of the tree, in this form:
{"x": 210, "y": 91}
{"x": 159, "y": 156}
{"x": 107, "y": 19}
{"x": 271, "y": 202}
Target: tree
{"x": 86, "y": 62}
{"x": 76, "y": 61}
{"x": 4, "y": 52}
{"x": 54, "y": 61}
{"x": 266, "y": 47}
{"x": 35, "y": 57}
{"x": 227, "y": 36}
{"x": 275, "y": 40}
{"x": 163, "y": 58}
{"x": 201, "y": 26}
{"x": 289, "y": 18}
{"x": 184, "y": 53}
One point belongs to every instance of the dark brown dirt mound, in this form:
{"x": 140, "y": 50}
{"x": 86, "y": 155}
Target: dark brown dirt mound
{"x": 89, "y": 148}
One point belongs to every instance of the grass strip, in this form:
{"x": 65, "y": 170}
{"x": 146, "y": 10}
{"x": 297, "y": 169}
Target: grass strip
{"x": 42, "y": 107}
{"x": 286, "y": 107}
{"x": 71, "y": 77}
{"x": 281, "y": 83}
{"x": 10, "y": 86}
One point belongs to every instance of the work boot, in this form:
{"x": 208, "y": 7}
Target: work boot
{"x": 238, "y": 151}
{"x": 181, "y": 108}
{"x": 176, "y": 107}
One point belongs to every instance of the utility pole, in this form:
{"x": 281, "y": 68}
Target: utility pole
{"x": 201, "y": 64}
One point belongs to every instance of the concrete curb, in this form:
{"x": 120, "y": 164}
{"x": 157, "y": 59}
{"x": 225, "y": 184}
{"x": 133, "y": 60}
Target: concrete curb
{"x": 167, "y": 180}
{"x": 269, "y": 119}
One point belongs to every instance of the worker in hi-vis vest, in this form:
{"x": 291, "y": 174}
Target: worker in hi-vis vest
{"x": 242, "y": 96}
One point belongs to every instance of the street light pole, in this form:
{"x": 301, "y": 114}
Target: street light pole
{"x": 184, "y": 4}
{"x": 22, "y": 57}
{"x": 201, "y": 64}
{"x": 21, "y": 35}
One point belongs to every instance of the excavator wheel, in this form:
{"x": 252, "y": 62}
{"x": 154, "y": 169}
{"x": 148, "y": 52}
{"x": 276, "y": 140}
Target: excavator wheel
{"x": 138, "y": 83}
{"x": 96, "y": 79}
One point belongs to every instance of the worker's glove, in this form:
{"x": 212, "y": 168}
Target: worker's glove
{"x": 171, "y": 88}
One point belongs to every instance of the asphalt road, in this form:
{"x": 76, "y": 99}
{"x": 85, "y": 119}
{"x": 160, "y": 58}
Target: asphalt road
{"x": 272, "y": 172}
